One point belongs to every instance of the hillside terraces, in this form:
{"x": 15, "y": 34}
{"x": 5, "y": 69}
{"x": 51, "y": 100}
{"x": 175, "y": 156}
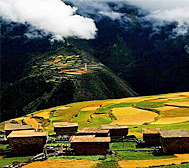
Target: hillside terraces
{"x": 63, "y": 66}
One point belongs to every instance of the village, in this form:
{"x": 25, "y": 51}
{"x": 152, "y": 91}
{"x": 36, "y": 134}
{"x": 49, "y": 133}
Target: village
{"x": 25, "y": 140}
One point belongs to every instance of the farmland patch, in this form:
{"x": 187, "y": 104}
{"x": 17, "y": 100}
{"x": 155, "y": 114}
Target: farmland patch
{"x": 179, "y": 104}
{"x": 133, "y": 116}
{"x": 171, "y": 120}
{"x": 60, "y": 163}
{"x": 155, "y": 162}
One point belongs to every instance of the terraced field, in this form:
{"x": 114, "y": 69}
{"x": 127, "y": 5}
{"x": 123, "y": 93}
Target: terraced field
{"x": 133, "y": 116}
{"x": 156, "y": 110}
{"x": 63, "y": 164}
{"x": 64, "y": 66}
{"x": 168, "y": 111}
{"x": 156, "y": 162}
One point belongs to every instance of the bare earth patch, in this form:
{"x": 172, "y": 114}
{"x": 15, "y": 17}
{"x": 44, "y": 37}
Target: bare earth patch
{"x": 60, "y": 163}
{"x": 146, "y": 163}
{"x": 133, "y": 116}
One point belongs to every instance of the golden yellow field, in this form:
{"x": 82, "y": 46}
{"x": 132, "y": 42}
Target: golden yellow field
{"x": 44, "y": 114}
{"x": 186, "y": 104}
{"x": 171, "y": 120}
{"x": 133, "y": 116}
{"x": 89, "y": 108}
{"x": 29, "y": 121}
{"x": 146, "y": 163}
{"x": 166, "y": 108}
{"x": 60, "y": 163}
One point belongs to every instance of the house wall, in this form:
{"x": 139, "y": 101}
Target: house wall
{"x": 66, "y": 131}
{"x": 118, "y": 132}
{"x": 96, "y": 134}
{"x": 26, "y": 146}
{"x": 152, "y": 139}
{"x": 90, "y": 148}
{"x": 175, "y": 145}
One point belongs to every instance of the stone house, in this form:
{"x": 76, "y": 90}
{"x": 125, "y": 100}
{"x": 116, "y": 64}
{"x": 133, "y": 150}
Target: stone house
{"x": 65, "y": 128}
{"x": 174, "y": 141}
{"x": 90, "y": 145}
{"x": 15, "y": 127}
{"x": 151, "y": 136}
{"x": 27, "y": 142}
{"x": 116, "y": 132}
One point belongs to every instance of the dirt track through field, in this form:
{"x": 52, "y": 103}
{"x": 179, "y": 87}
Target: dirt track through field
{"x": 146, "y": 163}
{"x": 60, "y": 163}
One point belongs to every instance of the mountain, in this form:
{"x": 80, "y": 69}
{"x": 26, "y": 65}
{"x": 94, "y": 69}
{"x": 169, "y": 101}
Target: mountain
{"x": 56, "y": 77}
{"x": 127, "y": 52}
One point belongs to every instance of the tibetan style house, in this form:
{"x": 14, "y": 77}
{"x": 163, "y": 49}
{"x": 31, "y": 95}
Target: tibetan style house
{"x": 65, "y": 128}
{"x": 15, "y": 127}
{"x": 116, "y": 132}
{"x": 151, "y": 136}
{"x": 94, "y": 131}
{"x": 175, "y": 141}
{"x": 90, "y": 145}
{"x": 27, "y": 142}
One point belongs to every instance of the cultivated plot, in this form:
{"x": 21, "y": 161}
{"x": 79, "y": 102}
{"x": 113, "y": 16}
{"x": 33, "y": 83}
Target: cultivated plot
{"x": 133, "y": 116}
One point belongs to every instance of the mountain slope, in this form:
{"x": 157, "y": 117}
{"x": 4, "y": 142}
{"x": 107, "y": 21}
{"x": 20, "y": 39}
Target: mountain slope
{"x": 60, "y": 77}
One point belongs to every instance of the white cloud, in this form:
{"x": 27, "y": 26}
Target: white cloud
{"x": 112, "y": 15}
{"x": 164, "y": 12}
{"x": 158, "y": 12}
{"x": 51, "y": 16}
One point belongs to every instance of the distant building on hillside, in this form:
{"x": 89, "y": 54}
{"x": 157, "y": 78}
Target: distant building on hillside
{"x": 65, "y": 128}
{"x": 90, "y": 145}
{"x": 116, "y": 132}
{"x": 174, "y": 141}
{"x": 94, "y": 131}
{"x": 27, "y": 142}
{"x": 15, "y": 127}
{"x": 151, "y": 136}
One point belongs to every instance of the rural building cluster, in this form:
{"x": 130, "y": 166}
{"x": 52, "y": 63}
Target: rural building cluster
{"x": 23, "y": 139}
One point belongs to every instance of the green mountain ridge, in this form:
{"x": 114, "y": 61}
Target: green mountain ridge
{"x": 60, "y": 77}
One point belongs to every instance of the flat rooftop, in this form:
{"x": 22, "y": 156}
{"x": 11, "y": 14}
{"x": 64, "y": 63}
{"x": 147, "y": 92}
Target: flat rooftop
{"x": 26, "y": 133}
{"x": 11, "y": 127}
{"x": 178, "y": 133}
{"x": 93, "y": 130}
{"x": 151, "y": 130}
{"x": 64, "y": 124}
{"x": 113, "y": 127}
{"x": 89, "y": 138}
